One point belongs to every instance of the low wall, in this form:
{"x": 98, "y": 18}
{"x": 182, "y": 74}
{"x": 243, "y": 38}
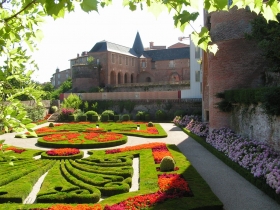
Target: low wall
{"x": 252, "y": 122}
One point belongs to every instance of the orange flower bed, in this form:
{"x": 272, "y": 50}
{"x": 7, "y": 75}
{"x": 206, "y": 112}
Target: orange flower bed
{"x": 78, "y": 207}
{"x": 171, "y": 182}
{"x": 150, "y": 130}
{"x": 74, "y": 138}
{"x": 63, "y": 152}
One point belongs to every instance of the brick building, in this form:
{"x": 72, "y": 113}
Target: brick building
{"x": 116, "y": 65}
{"x": 60, "y": 76}
{"x": 237, "y": 64}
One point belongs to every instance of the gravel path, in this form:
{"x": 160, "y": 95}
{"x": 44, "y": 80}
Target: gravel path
{"x": 233, "y": 190}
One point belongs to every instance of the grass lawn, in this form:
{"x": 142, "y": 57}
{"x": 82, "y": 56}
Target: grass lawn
{"x": 106, "y": 174}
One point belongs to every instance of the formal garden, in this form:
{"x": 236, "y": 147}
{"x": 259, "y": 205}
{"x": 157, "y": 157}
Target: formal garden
{"x": 103, "y": 179}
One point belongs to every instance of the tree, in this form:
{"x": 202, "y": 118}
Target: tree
{"x": 267, "y": 35}
{"x": 20, "y": 22}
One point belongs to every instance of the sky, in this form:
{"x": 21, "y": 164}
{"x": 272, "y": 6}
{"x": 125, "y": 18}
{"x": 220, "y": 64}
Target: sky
{"x": 79, "y": 31}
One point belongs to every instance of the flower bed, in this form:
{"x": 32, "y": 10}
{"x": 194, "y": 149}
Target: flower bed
{"x": 62, "y": 153}
{"x": 170, "y": 186}
{"x": 257, "y": 157}
{"x": 15, "y": 149}
{"x": 82, "y": 140}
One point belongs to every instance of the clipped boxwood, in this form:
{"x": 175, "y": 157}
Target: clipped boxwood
{"x": 71, "y": 118}
{"x": 125, "y": 117}
{"x": 104, "y": 118}
{"x": 44, "y": 155}
{"x": 82, "y": 118}
{"x": 116, "y": 118}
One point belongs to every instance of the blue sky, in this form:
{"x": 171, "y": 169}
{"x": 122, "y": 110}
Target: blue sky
{"x": 79, "y": 31}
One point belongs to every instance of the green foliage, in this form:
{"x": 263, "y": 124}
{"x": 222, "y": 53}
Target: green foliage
{"x": 125, "y": 117}
{"x": 51, "y": 125}
{"x": 180, "y": 113}
{"x": 269, "y": 97}
{"x": 64, "y": 87}
{"x": 160, "y": 115}
{"x": 167, "y": 164}
{"x": 54, "y": 109}
{"x": 110, "y": 113}
{"x": 91, "y": 113}
{"x": 116, "y": 118}
{"x": 104, "y": 118}
{"x": 267, "y": 35}
{"x": 140, "y": 115}
{"x": 72, "y": 101}
{"x": 150, "y": 124}
{"x": 35, "y": 113}
{"x": 129, "y": 106}
{"x": 94, "y": 106}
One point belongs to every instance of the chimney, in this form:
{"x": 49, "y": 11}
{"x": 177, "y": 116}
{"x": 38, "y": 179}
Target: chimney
{"x": 151, "y": 45}
{"x": 78, "y": 55}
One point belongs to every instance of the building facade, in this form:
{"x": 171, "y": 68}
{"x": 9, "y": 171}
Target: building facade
{"x": 116, "y": 65}
{"x": 60, "y": 76}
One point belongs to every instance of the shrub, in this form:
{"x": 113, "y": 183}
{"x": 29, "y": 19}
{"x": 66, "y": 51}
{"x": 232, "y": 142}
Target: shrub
{"x": 35, "y": 113}
{"x": 167, "y": 164}
{"x": 150, "y": 124}
{"x": 116, "y": 118}
{"x": 82, "y": 117}
{"x": 65, "y": 112}
{"x": 160, "y": 115}
{"x": 104, "y": 118}
{"x": 54, "y": 109}
{"x": 125, "y": 117}
{"x": 51, "y": 125}
{"x": 71, "y": 118}
{"x": 140, "y": 115}
{"x": 72, "y": 101}
{"x": 110, "y": 113}
{"x": 180, "y": 113}
{"x": 94, "y": 118}
{"x": 147, "y": 117}
{"x": 91, "y": 113}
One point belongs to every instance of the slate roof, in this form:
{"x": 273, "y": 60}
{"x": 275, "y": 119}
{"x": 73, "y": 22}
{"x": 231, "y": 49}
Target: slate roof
{"x": 138, "y": 50}
{"x": 168, "y": 54}
{"x": 112, "y": 47}
{"x": 138, "y": 45}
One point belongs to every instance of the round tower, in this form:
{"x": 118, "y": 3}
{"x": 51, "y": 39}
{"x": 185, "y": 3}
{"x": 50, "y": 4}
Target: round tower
{"x": 238, "y": 62}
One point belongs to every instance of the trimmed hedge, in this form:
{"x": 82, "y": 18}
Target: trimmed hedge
{"x": 90, "y": 145}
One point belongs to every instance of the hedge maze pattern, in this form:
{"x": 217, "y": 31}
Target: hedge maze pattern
{"x": 67, "y": 181}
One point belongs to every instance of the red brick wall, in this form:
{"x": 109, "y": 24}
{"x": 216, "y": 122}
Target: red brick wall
{"x": 237, "y": 64}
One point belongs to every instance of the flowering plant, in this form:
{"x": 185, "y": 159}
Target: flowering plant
{"x": 257, "y": 157}
{"x": 63, "y": 152}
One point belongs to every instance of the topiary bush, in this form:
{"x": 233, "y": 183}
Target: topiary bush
{"x": 160, "y": 115}
{"x": 150, "y": 124}
{"x": 167, "y": 164}
{"x": 125, "y": 117}
{"x": 51, "y": 125}
{"x": 116, "y": 118}
{"x": 110, "y": 113}
{"x": 104, "y": 118}
{"x": 140, "y": 115}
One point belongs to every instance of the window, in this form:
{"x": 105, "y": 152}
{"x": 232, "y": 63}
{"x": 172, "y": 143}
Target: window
{"x": 197, "y": 53}
{"x": 58, "y": 82}
{"x": 126, "y": 60}
{"x": 144, "y": 64}
{"x": 58, "y": 76}
{"x": 113, "y": 58}
{"x": 197, "y": 76}
{"x": 171, "y": 64}
{"x": 66, "y": 76}
{"x": 120, "y": 59}
{"x": 153, "y": 65}
{"x": 97, "y": 61}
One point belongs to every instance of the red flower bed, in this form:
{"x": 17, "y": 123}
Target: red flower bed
{"x": 63, "y": 152}
{"x": 74, "y": 138}
{"x": 16, "y": 150}
{"x": 45, "y": 130}
{"x": 159, "y": 152}
{"x": 150, "y": 130}
{"x": 171, "y": 186}
{"x": 132, "y": 148}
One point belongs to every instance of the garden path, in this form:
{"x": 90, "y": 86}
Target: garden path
{"x": 233, "y": 190}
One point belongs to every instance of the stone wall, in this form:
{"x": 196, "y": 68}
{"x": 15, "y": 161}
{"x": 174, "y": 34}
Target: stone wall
{"x": 252, "y": 122}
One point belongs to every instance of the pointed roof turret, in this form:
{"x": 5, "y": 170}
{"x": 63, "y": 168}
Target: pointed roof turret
{"x": 138, "y": 45}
